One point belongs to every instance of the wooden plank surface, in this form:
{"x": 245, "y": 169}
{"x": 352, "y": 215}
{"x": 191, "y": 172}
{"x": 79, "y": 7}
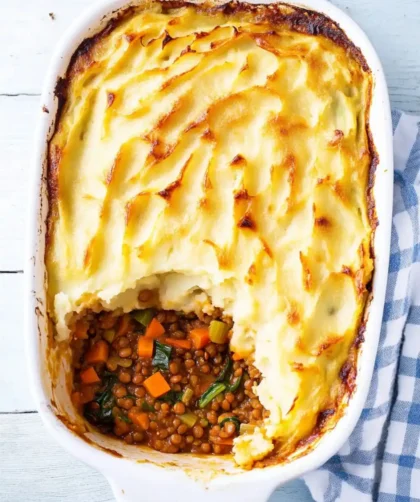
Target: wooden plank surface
{"x": 32, "y": 466}
{"x": 14, "y": 389}
{"x": 17, "y": 123}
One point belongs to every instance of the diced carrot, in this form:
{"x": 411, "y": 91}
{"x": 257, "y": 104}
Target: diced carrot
{"x": 200, "y": 337}
{"x": 81, "y": 330}
{"x": 76, "y": 399}
{"x": 87, "y": 393}
{"x": 155, "y": 329}
{"x": 124, "y": 326}
{"x": 179, "y": 344}
{"x": 145, "y": 347}
{"x": 141, "y": 419}
{"x": 89, "y": 375}
{"x": 156, "y": 385}
{"x": 98, "y": 353}
{"x": 237, "y": 356}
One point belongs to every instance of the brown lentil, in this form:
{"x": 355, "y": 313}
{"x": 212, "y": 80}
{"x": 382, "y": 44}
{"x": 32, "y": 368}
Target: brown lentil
{"x": 160, "y": 423}
{"x": 120, "y": 391}
{"x": 125, "y": 352}
{"x": 205, "y": 448}
{"x": 123, "y": 342}
{"x": 198, "y": 431}
{"x": 140, "y": 392}
{"x": 182, "y": 429}
{"x": 174, "y": 368}
{"x": 124, "y": 377}
{"x": 176, "y": 439}
{"x": 179, "y": 408}
{"x": 189, "y": 363}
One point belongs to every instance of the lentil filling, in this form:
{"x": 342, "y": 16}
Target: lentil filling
{"x": 165, "y": 379}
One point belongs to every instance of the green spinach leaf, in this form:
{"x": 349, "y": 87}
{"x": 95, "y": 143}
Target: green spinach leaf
{"x": 162, "y": 356}
{"x": 106, "y": 400}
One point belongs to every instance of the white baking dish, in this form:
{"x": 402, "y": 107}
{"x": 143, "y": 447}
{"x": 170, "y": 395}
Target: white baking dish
{"x": 151, "y": 476}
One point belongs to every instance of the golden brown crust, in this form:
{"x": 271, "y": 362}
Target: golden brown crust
{"x": 297, "y": 19}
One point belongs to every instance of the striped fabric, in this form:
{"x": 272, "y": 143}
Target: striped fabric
{"x": 381, "y": 460}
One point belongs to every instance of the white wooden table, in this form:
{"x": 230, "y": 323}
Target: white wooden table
{"x": 32, "y": 466}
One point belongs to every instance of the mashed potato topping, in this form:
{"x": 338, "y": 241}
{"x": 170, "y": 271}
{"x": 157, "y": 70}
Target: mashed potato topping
{"x": 222, "y": 158}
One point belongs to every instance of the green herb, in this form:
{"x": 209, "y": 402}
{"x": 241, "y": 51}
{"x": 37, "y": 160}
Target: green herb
{"x": 145, "y": 406}
{"x": 234, "y": 386}
{"x": 189, "y": 419}
{"x": 143, "y": 316}
{"x": 214, "y": 390}
{"x": 171, "y": 397}
{"x": 106, "y": 400}
{"x": 162, "y": 356}
{"x": 233, "y": 420}
{"x": 218, "y": 331}
{"x": 225, "y": 373}
{"x": 131, "y": 396}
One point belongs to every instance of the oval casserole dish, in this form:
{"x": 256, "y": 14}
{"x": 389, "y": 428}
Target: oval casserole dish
{"x": 52, "y": 388}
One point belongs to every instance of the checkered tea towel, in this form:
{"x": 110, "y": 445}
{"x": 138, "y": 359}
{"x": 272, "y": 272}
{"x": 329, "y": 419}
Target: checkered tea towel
{"x": 381, "y": 460}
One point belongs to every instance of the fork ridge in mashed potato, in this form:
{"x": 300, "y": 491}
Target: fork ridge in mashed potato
{"x": 222, "y": 157}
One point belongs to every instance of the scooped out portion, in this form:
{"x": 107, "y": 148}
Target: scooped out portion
{"x": 219, "y": 157}
{"x": 165, "y": 379}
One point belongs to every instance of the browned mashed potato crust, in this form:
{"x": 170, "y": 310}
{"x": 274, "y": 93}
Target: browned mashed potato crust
{"x": 74, "y": 268}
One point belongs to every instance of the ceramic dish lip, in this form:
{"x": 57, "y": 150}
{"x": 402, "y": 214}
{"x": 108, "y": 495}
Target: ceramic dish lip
{"x": 381, "y": 129}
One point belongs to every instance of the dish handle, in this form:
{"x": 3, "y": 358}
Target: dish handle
{"x": 154, "y": 490}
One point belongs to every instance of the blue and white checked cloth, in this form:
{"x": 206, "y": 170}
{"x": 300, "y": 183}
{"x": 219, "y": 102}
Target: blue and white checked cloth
{"x": 381, "y": 460}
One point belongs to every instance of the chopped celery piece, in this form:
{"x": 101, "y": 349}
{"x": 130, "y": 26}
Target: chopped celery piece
{"x": 189, "y": 419}
{"x": 218, "y": 331}
{"x": 143, "y": 316}
{"x": 109, "y": 335}
{"x": 214, "y": 390}
{"x": 188, "y": 394}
